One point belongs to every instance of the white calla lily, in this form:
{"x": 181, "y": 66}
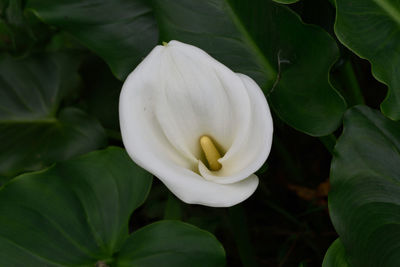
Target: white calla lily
{"x": 202, "y": 129}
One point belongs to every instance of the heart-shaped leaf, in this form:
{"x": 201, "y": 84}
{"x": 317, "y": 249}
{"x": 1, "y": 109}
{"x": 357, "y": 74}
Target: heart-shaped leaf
{"x": 33, "y": 132}
{"x": 77, "y": 212}
{"x": 371, "y": 28}
{"x": 335, "y": 256}
{"x": 171, "y": 243}
{"x": 122, "y": 32}
{"x": 268, "y": 42}
{"x": 364, "y": 202}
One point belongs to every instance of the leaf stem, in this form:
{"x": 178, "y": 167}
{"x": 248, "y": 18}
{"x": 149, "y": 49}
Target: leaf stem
{"x": 284, "y": 213}
{"x": 329, "y": 141}
{"x": 237, "y": 220}
{"x": 285, "y": 155}
{"x": 49, "y": 120}
{"x": 355, "y": 93}
{"x": 173, "y": 208}
{"x": 113, "y": 134}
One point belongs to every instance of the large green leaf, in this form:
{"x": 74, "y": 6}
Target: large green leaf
{"x": 122, "y": 32}
{"x": 269, "y": 42}
{"x": 364, "y": 202}
{"x": 286, "y": 1}
{"x": 371, "y": 28}
{"x": 171, "y": 243}
{"x": 33, "y": 132}
{"x": 335, "y": 256}
{"x": 77, "y": 212}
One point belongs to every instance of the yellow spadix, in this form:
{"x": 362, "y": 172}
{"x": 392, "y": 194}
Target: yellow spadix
{"x": 211, "y": 153}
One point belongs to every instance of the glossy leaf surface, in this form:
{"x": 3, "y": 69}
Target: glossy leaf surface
{"x": 371, "y": 28}
{"x": 172, "y": 242}
{"x": 33, "y": 131}
{"x": 75, "y": 213}
{"x": 364, "y": 201}
{"x": 122, "y": 32}
{"x": 268, "y": 42}
{"x": 335, "y": 256}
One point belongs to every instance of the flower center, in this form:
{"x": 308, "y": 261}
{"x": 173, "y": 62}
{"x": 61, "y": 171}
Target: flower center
{"x": 211, "y": 152}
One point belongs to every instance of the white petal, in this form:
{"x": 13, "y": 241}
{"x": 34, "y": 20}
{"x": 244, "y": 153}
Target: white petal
{"x": 253, "y": 147}
{"x": 193, "y": 189}
{"x": 199, "y": 96}
{"x": 141, "y": 132}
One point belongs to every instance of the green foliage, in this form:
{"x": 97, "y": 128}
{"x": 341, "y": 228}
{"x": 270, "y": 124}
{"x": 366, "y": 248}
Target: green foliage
{"x": 122, "y": 32}
{"x": 372, "y": 30}
{"x": 77, "y": 213}
{"x": 172, "y": 242}
{"x": 101, "y": 90}
{"x": 364, "y": 202}
{"x": 35, "y": 130}
{"x": 62, "y": 64}
{"x": 286, "y": 1}
{"x": 19, "y": 31}
{"x": 268, "y": 42}
{"x": 335, "y": 256}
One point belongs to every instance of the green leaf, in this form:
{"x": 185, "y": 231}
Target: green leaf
{"x": 122, "y": 32}
{"x": 33, "y": 132}
{"x": 3, "y": 6}
{"x": 14, "y": 13}
{"x": 371, "y": 29}
{"x": 286, "y": 1}
{"x": 335, "y": 256}
{"x": 19, "y": 31}
{"x": 364, "y": 201}
{"x": 171, "y": 243}
{"x": 75, "y": 213}
{"x": 102, "y": 89}
{"x": 268, "y": 42}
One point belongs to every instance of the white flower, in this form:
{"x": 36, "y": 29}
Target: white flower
{"x": 202, "y": 129}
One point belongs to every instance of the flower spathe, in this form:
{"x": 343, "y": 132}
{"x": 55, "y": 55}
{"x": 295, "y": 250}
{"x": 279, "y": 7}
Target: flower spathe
{"x": 202, "y": 129}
